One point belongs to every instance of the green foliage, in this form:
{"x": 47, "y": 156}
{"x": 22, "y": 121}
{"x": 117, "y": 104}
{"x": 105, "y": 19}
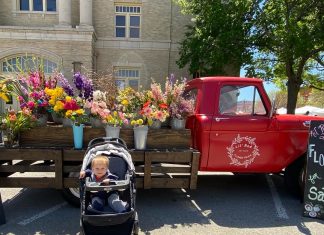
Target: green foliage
{"x": 218, "y": 36}
{"x": 289, "y": 38}
{"x": 277, "y": 40}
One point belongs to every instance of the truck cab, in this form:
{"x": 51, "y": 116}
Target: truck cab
{"x": 236, "y": 130}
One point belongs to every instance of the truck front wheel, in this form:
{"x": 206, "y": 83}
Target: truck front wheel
{"x": 295, "y": 177}
{"x": 72, "y": 195}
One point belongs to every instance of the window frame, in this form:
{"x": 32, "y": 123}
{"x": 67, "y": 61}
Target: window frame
{"x": 128, "y": 14}
{"x": 48, "y": 63}
{"x": 126, "y": 79}
{"x": 31, "y": 7}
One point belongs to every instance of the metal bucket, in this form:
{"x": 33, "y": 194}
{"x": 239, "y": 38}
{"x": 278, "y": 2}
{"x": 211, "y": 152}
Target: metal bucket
{"x": 140, "y": 137}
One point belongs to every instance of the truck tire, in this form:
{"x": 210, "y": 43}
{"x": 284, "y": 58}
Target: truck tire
{"x": 72, "y": 195}
{"x": 294, "y": 177}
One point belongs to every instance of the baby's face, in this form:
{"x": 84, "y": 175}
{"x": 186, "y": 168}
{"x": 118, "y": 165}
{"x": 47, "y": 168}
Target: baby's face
{"x": 99, "y": 169}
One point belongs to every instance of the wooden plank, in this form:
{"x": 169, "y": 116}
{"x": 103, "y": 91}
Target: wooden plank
{"x": 73, "y": 155}
{"x": 27, "y": 168}
{"x": 168, "y": 138}
{"x": 147, "y": 170}
{"x": 2, "y": 214}
{"x": 170, "y": 156}
{"x": 47, "y": 136}
{"x": 68, "y": 169}
{"x": 27, "y": 182}
{"x": 137, "y": 156}
{"x": 22, "y": 163}
{"x": 59, "y": 171}
{"x": 194, "y": 170}
{"x": 29, "y": 154}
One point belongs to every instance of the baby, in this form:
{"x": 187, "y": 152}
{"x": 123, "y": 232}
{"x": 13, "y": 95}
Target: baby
{"x": 100, "y": 173}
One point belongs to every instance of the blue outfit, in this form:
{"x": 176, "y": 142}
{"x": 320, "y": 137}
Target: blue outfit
{"x": 98, "y": 199}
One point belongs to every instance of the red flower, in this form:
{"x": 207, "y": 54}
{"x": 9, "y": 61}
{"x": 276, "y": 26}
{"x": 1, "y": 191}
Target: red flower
{"x": 163, "y": 106}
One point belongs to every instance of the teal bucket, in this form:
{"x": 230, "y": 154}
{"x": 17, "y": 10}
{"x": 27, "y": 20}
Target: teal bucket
{"x": 78, "y": 136}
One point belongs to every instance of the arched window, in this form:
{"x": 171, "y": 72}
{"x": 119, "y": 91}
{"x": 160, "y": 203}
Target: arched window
{"x": 27, "y": 62}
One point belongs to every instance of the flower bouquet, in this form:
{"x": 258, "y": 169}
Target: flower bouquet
{"x": 98, "y": 109}
{"x": 114, "y": 121}
{"x": 180, "y": 107}
{"x": 13, "y": 122}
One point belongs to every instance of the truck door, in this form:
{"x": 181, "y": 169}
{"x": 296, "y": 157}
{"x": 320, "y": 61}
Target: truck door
{"x": 240, "y": 137}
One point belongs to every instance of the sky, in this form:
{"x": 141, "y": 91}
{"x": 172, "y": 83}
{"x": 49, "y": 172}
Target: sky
{"x": 269, "y": 87}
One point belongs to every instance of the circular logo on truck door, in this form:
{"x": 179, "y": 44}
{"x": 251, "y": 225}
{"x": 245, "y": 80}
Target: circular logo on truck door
{"x": 243, "y": 151}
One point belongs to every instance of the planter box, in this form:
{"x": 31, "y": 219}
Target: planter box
{"x": 58, "y": 136}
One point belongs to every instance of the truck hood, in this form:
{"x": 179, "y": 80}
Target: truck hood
{"x": 294, "y": 122}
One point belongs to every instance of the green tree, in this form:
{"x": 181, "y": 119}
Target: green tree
{"x": 277, "y": 40}
{"x": 289, "y": 41}
{"x": 217, "y": 42}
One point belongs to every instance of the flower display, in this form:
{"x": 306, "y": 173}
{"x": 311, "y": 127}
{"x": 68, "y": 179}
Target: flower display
{"x": 98, "y": 106}
{"x": 155, "y": 108}
{"x": 179, "y": 106}
{"x": 77, "y": 115}
{"x": 116, "y": 118}
{"x": 130, "y": 102}
{"x": 29, "y": 88}
{"x": 13, "y": 122}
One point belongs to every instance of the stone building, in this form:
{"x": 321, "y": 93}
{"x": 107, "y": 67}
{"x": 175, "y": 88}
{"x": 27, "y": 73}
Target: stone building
{"x": 137, "y": 39}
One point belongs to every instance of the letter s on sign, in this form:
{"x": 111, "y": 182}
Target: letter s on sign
{"x": 312, "y": 191}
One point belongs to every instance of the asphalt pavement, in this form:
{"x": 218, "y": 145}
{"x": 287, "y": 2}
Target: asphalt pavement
{"x": 222, "y": 204}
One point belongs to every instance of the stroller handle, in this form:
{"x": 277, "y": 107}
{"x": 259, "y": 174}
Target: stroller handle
{"x": 100, "y": 140}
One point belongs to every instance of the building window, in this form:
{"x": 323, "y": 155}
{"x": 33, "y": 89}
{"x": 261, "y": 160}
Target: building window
{"x": 128, "y": 21}
{"x": 25, "y": 63}
{"x": 24, "y": 5}
{"x": 37, "y": 5}
{"x": 127, "y": 77}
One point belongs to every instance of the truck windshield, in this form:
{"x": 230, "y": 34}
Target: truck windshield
{"x": 240, "y": 100}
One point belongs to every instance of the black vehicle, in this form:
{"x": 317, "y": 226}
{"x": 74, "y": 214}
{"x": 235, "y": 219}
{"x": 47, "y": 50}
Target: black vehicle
{"x": 94, "y": 222}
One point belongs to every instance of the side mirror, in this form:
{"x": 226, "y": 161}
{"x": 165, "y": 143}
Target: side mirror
{"x": 273, "y": 108}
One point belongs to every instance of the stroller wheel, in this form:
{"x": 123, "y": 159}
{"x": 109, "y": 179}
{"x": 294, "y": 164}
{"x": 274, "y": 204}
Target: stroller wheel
{"x": 135, "y": 225}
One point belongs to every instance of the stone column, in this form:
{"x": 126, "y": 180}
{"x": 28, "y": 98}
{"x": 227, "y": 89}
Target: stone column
{"x": 85, "y": 13}
{"x": 65, "y": 11}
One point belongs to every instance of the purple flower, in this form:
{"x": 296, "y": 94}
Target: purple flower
{"x": 84, "y": 85}
{"x": 65, "y": 84}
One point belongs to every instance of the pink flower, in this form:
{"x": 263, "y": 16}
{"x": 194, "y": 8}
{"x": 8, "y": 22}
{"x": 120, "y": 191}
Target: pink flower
{"x": 30, "y": 104}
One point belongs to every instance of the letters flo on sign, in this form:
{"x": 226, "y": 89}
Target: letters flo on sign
{"x": 314, "y": 179}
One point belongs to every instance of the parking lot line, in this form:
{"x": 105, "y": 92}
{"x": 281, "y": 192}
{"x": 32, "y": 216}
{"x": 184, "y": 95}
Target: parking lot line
{"x": 281, "y": 211}
{"x": 42, "y": 214}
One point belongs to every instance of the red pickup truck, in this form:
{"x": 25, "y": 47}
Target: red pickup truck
{"x": 236, "y": 129}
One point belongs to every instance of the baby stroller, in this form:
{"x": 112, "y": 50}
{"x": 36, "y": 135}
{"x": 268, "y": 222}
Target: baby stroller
{"x": 94, "y": 222}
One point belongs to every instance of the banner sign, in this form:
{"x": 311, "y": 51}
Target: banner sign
{"x": 314, "y": 179}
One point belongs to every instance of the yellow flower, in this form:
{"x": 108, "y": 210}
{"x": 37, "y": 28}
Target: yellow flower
{"x": 80, "y": 111}
{"x": 115, "y": 113}
{"x": 139, "y": 122}
{"x": 58, "y": 106}
{"x": 68, "y": 98}
{"x": 68, "y": 113}
{"x": 4, "y": 96}
{"x": 125, "y": 102}
{"x": 133, "y": 122}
